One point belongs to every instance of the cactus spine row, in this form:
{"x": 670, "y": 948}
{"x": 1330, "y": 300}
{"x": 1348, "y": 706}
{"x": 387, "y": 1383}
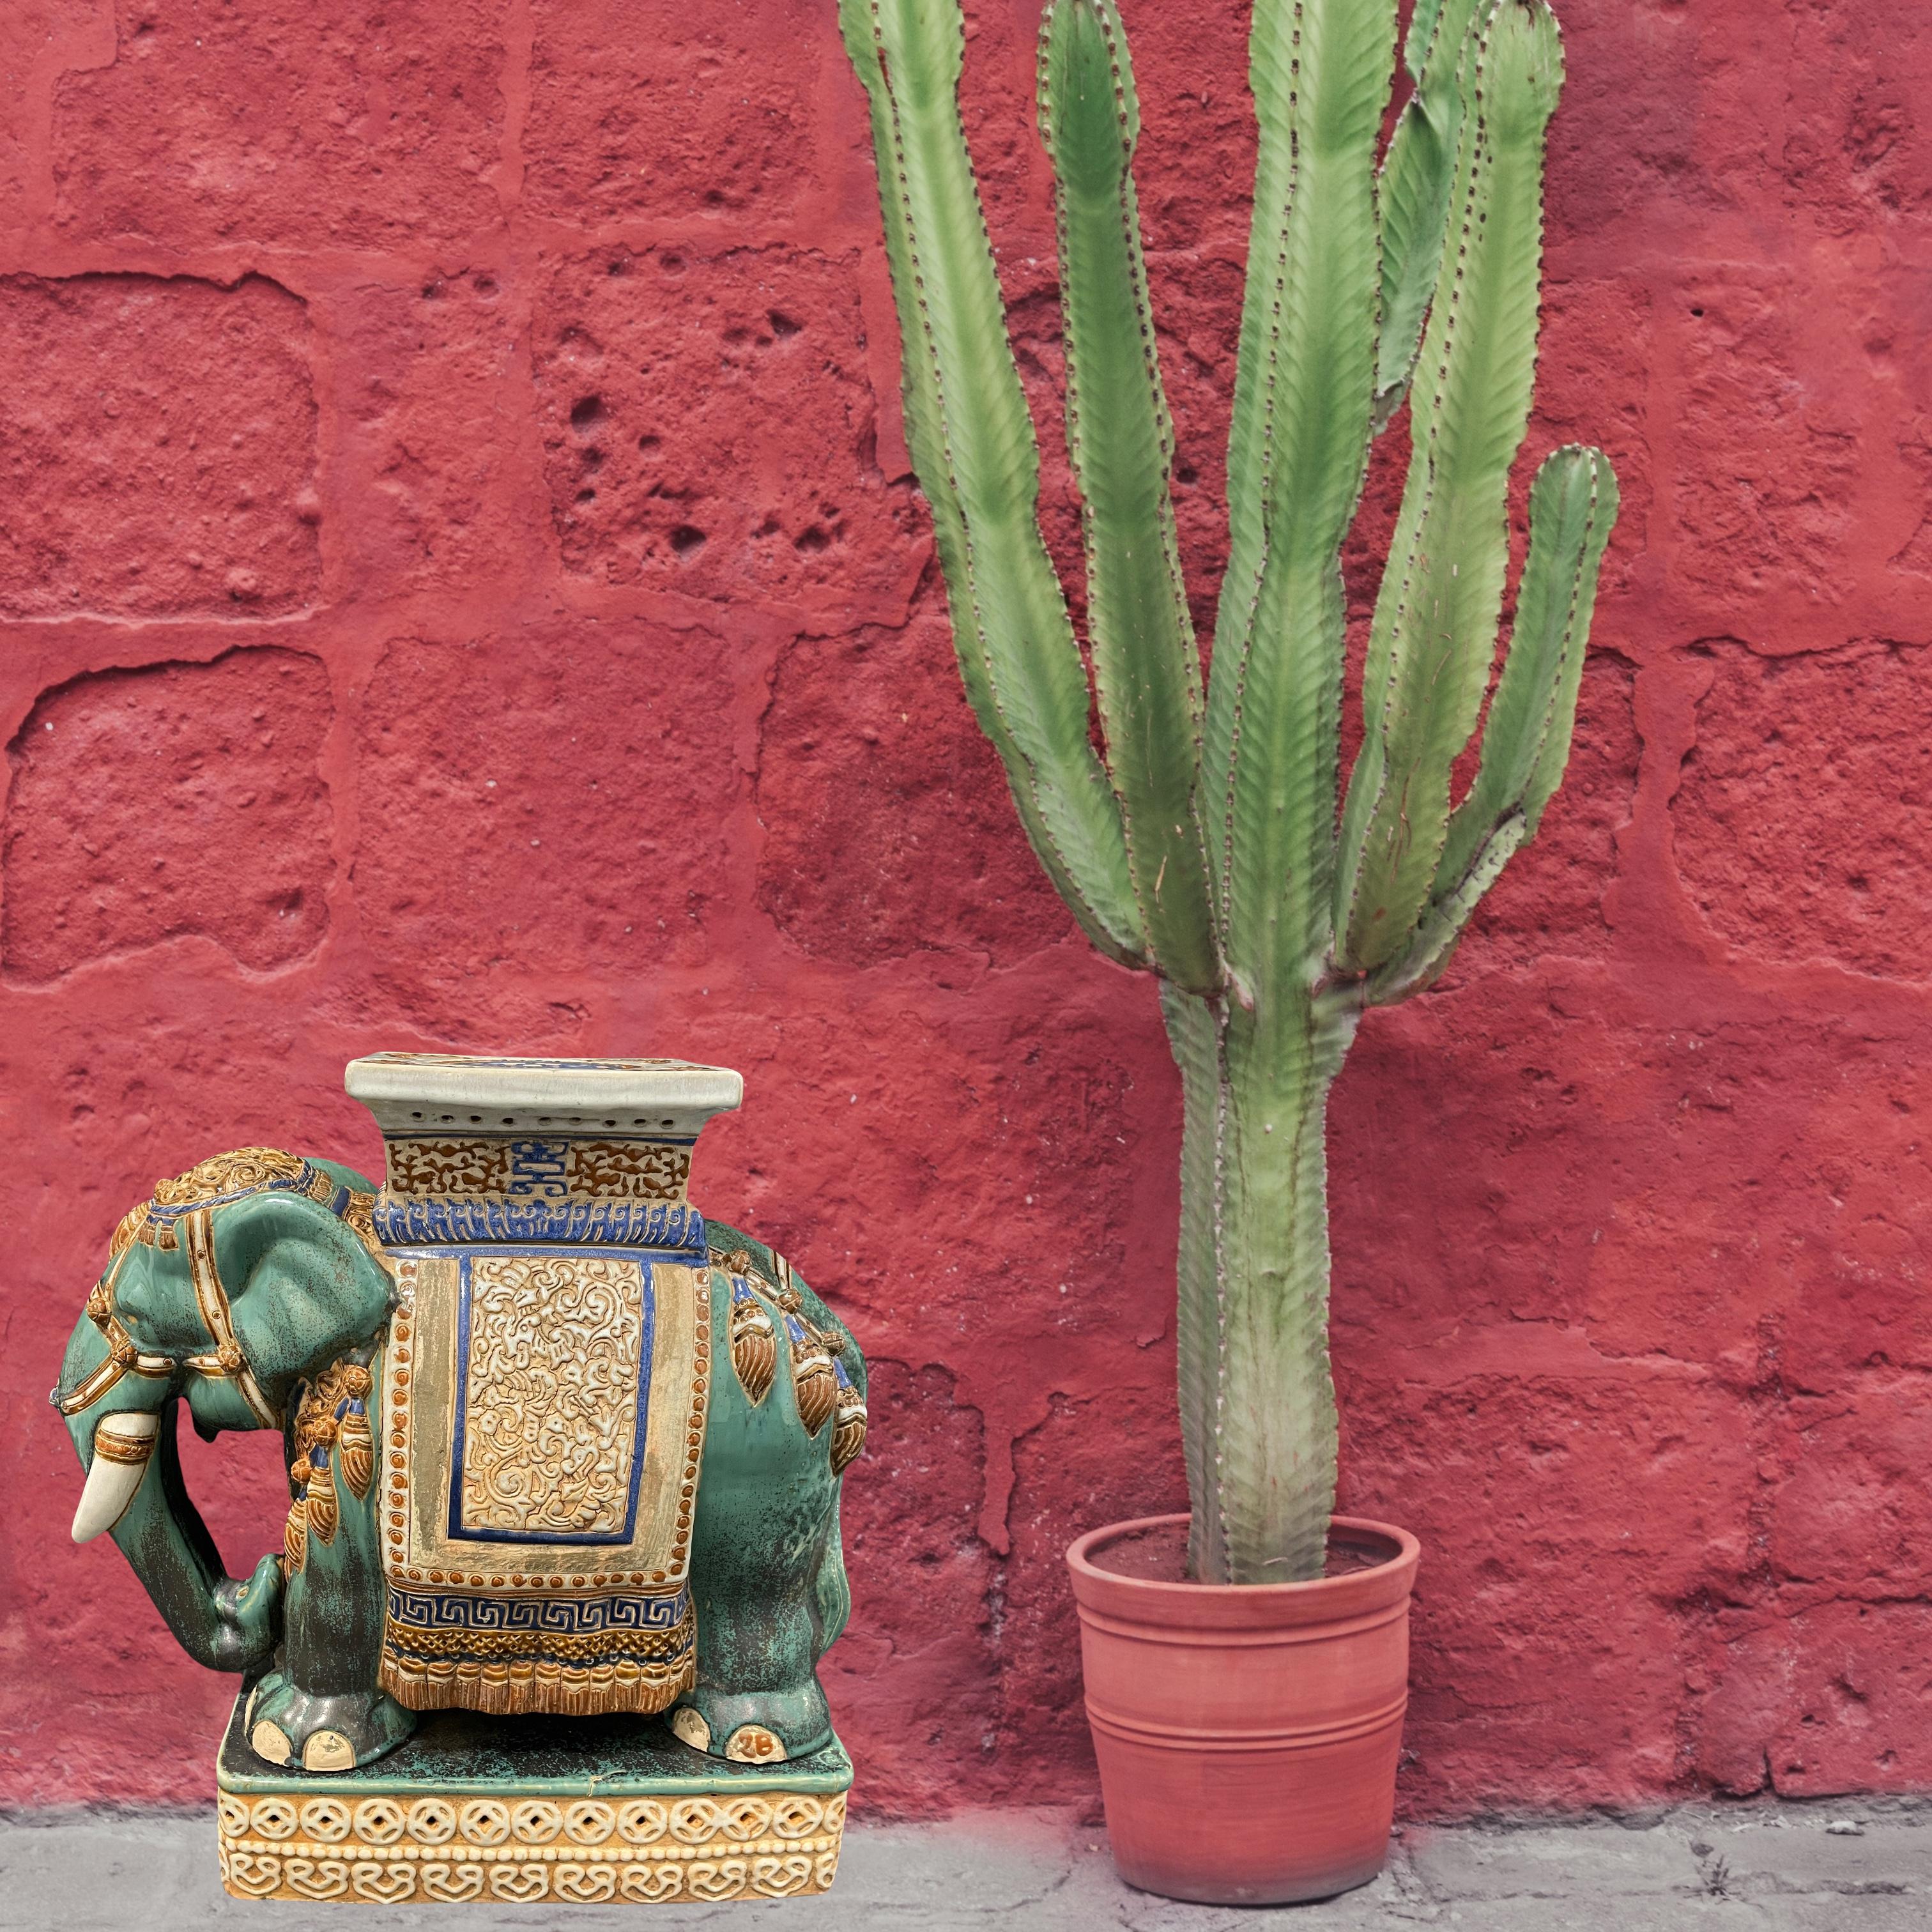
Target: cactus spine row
{"x": 1205, "y": 844}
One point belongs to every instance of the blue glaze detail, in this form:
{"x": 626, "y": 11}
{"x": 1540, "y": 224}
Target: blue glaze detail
{"x": 461, "y": 1532}
{"x": 430, "y": 1221}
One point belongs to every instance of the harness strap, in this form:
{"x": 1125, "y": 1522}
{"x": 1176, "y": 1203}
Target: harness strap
{"x": 123, "y": 1356}
{"x": 228, "y": 1360}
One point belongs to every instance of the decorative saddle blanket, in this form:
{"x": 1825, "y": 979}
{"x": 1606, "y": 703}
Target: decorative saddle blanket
{"x": 543, "y": 1419}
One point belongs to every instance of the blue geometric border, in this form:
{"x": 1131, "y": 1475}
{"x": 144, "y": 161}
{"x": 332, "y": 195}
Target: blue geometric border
{"x": 416, "y": 1221}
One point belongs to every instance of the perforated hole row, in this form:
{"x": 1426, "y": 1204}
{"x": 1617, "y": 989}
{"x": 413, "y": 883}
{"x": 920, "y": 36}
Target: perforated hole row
{"x": 537, "y": 1121}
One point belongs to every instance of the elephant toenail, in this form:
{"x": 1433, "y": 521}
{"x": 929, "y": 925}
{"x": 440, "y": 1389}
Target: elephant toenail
{"x": 691, "y": 1727}
{"x": 328, "y": 1750}
{"x": 271, "y": 1741}
{"x": 752, "y": 1744}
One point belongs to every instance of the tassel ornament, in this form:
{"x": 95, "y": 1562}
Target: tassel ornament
{"x": 754, "y": 1345}
{"x": 848, "y": 1431}
{"x": 358, "y": 1448}
{"x": 325, "y": 1509}
{"x": 814, "y": 1380}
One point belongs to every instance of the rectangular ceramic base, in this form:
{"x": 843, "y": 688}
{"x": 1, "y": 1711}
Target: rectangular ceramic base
{"x": 582, "y": 1810}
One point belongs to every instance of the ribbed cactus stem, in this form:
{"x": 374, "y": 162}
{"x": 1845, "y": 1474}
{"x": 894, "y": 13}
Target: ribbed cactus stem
{"x": 1257, "y": 1399}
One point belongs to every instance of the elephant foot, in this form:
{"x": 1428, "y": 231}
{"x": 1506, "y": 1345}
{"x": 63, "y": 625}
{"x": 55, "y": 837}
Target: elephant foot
{"x": 289, "y": 1726}
{"x": 754, "y": 1727}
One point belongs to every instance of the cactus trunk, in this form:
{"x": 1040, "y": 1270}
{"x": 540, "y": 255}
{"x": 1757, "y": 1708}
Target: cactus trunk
{"x": 1257, "y": 1400}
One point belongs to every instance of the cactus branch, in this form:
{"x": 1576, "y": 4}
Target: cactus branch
{"x": 1416, "y": 175}
{"x": 1147, "y": 669}
{"x": 973, "y": 446}
{"x": 1433, "y": 943}
{"x": 1433, "y": 640}
{"x": 1297, "y": 451}
{"x": 1573, "y": 505}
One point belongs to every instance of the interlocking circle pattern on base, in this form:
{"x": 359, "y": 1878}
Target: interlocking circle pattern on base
{"x": 450, "y": 1849}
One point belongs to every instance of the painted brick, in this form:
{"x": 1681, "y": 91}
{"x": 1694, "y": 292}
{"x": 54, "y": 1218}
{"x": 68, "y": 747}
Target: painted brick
{"x": 357, "y": 126}
{"x": 431, "y": 479}
{"x": 1827, "y": 1698}
{"x": 1579, "y": 1514}
{"x": 666, "y": 110}
{"x": 708, "y": 430}
{"x": 178, "y": 800}
{"x": 157, "y": 446}
{"x": 1779, "y": 859}
{"x": 889, "y": 826}
{"x": 924, "y": 1440}
{"x": 519, "y": 832}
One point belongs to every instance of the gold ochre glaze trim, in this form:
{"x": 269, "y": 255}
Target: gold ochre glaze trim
{"x": 399, "y": 1367}
{"x": 519, "y": 1688}
{"x": 134, "y": 1450}
{"x": 559, "y": 1168}
{"x": 451, "y": 1849}
{"x": 223, "y": 1173}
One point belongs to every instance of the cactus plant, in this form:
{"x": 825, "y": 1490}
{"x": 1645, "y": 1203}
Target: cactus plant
{"x": 1208, "y": 841}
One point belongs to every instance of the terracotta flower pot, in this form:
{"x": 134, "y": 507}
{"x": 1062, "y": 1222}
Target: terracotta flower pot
{"x": 1247, "y": 1734}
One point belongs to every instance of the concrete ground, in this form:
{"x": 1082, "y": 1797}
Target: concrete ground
{"x": 1843, "y": 1867}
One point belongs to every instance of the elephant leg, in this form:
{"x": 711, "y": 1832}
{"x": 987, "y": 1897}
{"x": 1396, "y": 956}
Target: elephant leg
{"x": 321, "y": 1708}
{"x": 758, "y": 1697}
{"x": 323, "y": 1732}
{"x": 767, "y": 1574}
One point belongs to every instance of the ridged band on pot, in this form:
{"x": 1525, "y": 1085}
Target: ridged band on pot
{"x": 1247, "y": 1735}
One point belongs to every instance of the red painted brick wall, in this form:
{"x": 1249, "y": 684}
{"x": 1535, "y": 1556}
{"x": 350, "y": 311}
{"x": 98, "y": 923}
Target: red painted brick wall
{"x": 460, "y": 586}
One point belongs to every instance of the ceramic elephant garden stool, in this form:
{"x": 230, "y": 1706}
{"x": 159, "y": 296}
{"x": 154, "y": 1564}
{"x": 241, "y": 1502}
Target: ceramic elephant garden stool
{"x": 562, "y": 1553}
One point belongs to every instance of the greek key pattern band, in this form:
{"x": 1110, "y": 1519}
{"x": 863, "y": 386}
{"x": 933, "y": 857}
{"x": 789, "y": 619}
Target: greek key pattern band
{"x": 576, "y": 1656}
{"x": 557, "y": 1616}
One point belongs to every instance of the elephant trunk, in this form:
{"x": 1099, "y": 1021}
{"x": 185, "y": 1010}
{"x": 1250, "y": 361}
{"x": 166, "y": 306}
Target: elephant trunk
{"x": 123, "y": 1442}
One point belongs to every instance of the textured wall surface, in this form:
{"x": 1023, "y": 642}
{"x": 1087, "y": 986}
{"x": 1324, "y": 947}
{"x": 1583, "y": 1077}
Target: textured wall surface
{"x": 461, "y": 587}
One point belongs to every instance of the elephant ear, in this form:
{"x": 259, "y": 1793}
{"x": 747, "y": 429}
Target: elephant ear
{"x": 302, "y": 1283}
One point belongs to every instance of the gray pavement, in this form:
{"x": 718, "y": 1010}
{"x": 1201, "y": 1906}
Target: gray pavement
{"x": 1844, "y": 1867}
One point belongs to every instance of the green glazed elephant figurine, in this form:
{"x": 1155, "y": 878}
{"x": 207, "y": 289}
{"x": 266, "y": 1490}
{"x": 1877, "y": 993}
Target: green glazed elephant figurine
{"x": 555, "y": 1445}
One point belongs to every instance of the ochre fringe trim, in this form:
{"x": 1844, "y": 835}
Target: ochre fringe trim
{"x": 525, "y": 1689}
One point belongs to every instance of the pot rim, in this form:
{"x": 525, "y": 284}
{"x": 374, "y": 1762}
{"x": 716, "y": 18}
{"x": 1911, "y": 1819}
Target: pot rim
{"x": 1389, "y": 1580}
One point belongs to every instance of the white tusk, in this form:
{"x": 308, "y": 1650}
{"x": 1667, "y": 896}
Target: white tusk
{"x": 122, "y": 1444}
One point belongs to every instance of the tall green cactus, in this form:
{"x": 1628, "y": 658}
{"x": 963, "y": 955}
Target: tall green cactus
{"x": 1205, "y": 844}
